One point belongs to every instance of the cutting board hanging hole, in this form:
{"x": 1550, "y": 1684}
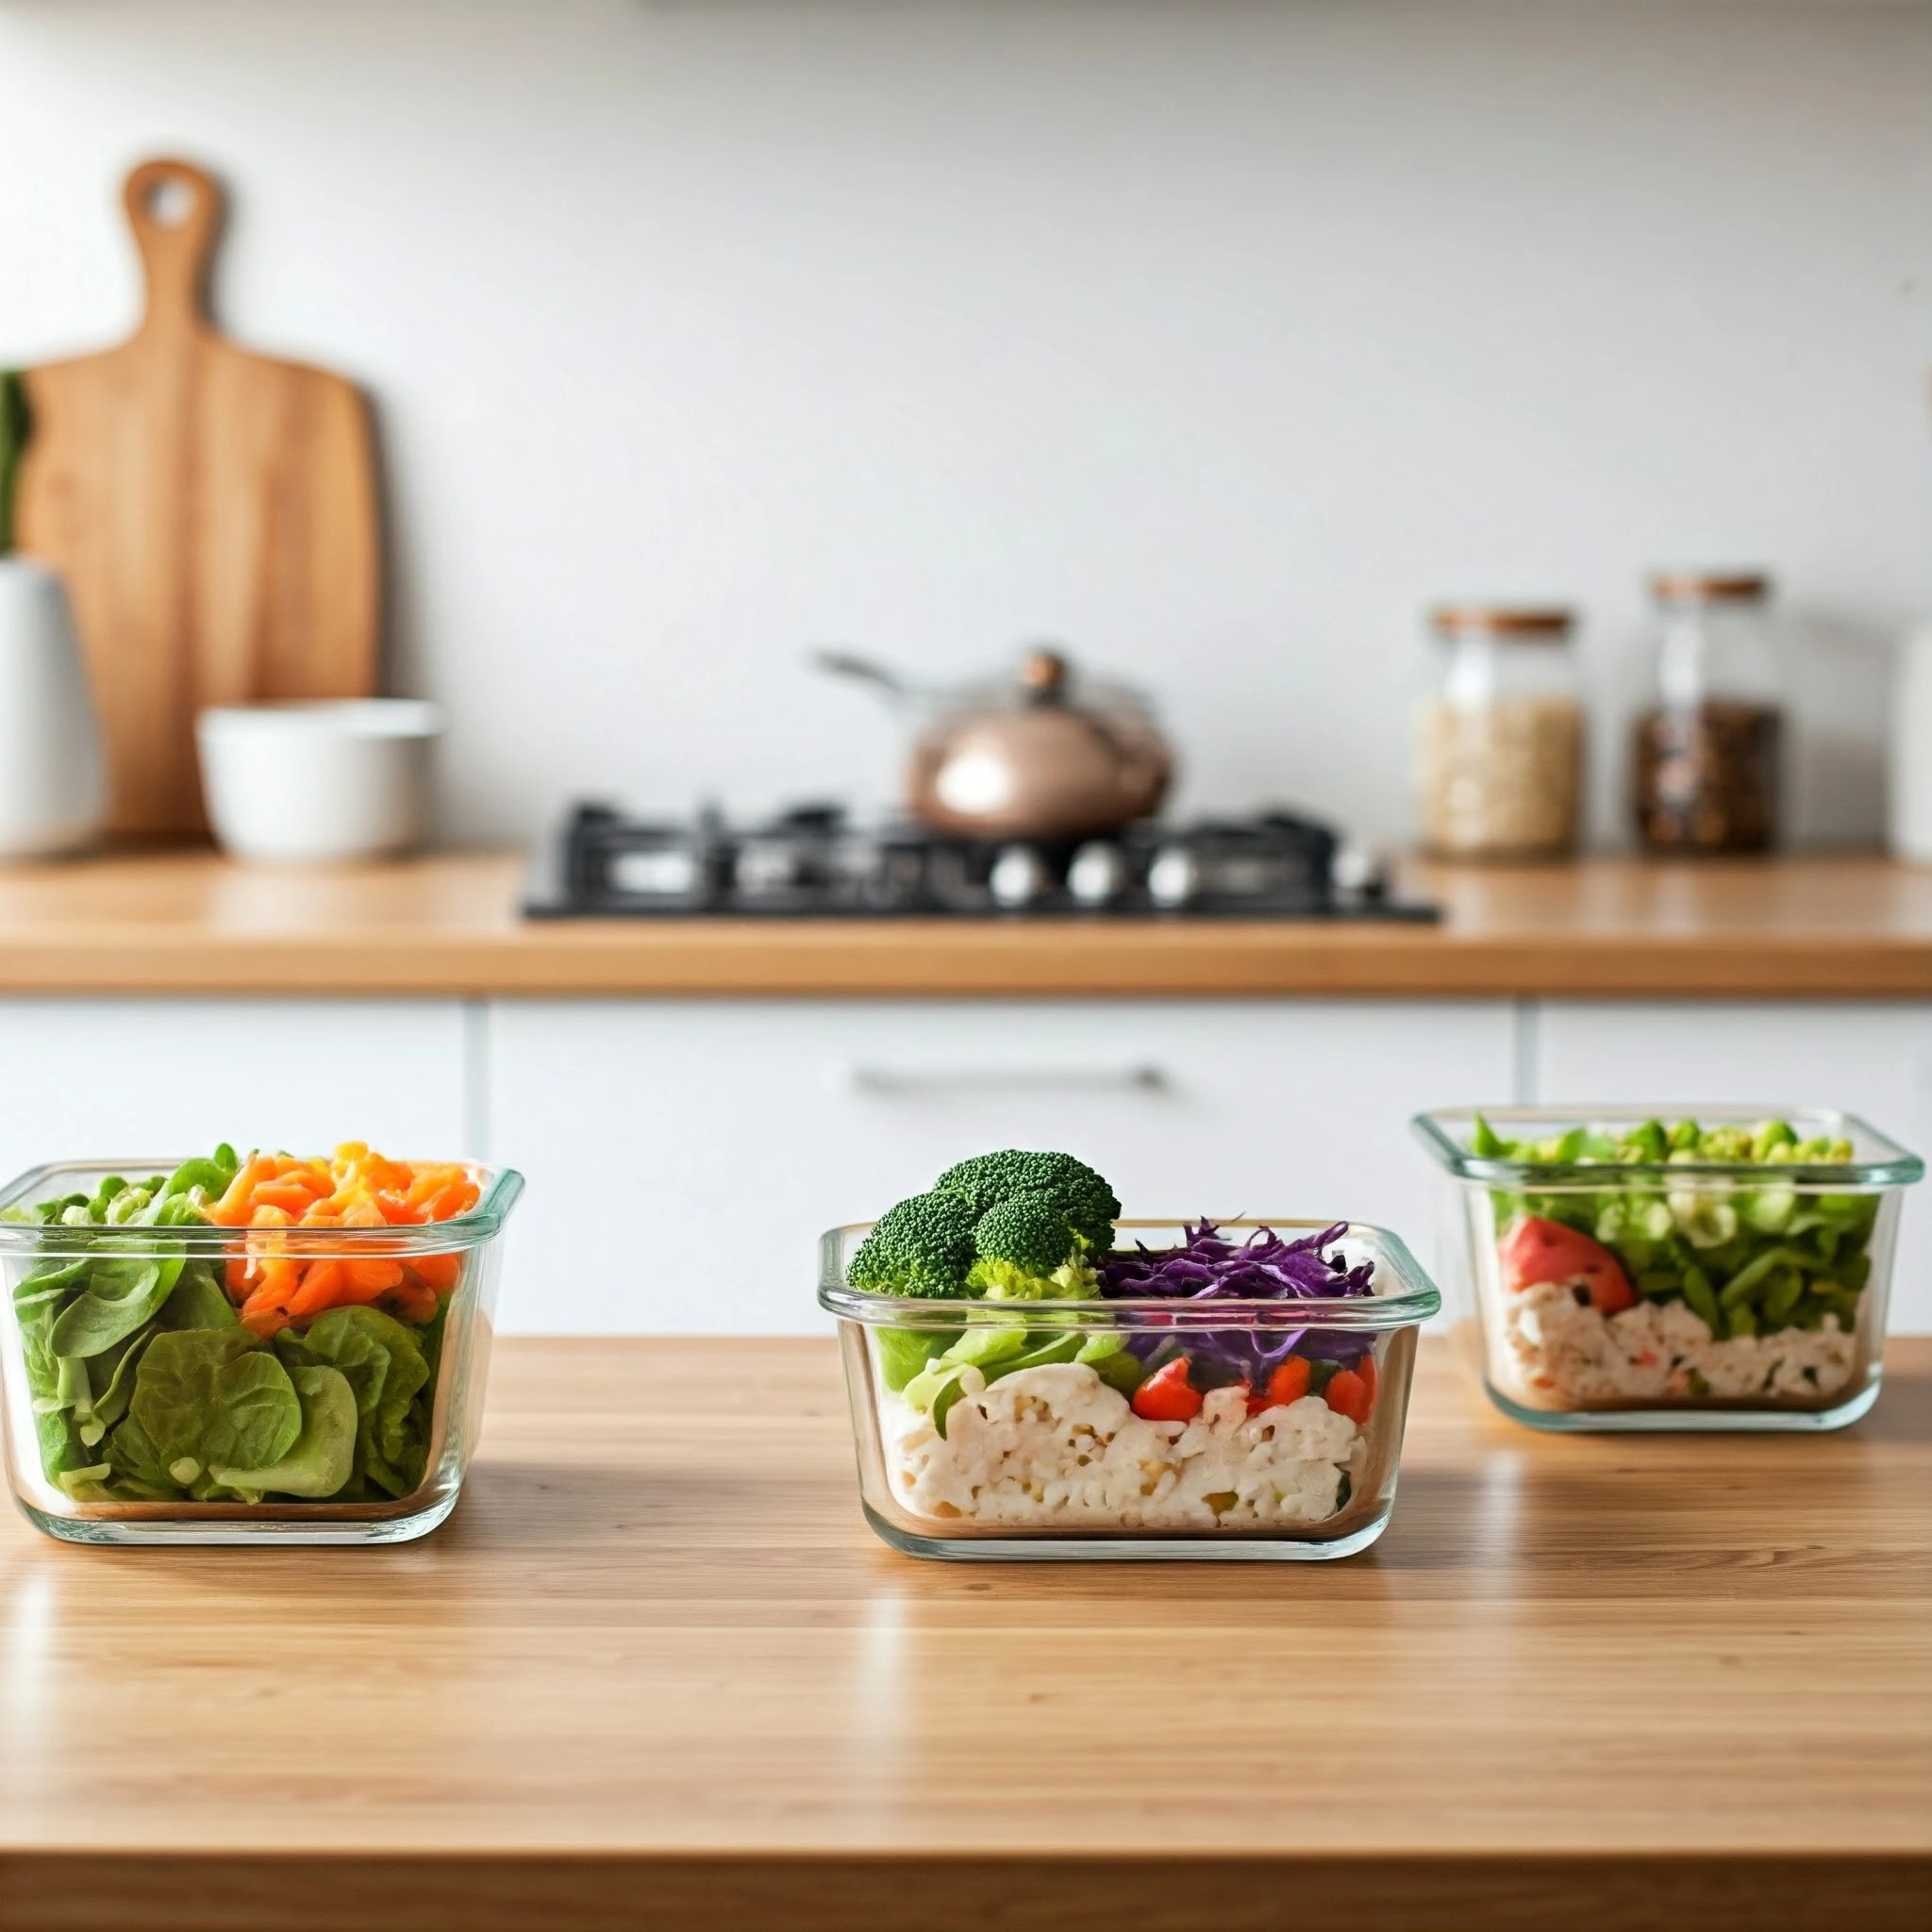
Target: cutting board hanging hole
{"x": 175, "y": 209}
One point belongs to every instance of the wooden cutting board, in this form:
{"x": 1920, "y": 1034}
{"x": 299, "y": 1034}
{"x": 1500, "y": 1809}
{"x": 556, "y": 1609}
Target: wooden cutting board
{"x": 213, "y": 511}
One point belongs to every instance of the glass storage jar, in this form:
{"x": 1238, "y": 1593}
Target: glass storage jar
{"x": 1501, "y": 750}
{"x": 1707, "y": 755}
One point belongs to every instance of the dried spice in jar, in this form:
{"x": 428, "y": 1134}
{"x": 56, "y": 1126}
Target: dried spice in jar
{"x": 1501, "y": 745}
{"x": 1707, "y": 754}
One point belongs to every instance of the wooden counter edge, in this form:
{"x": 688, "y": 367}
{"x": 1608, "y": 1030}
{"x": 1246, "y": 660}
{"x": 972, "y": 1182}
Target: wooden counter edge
{"x": 706, "y": 961}
{"x": 282, "y": 1891}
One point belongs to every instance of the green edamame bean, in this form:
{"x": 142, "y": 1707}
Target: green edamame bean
{"x": 1752, "y": 1276}
{"x": 1702, "y": 1299}
{"x": 1782, "y": 1296}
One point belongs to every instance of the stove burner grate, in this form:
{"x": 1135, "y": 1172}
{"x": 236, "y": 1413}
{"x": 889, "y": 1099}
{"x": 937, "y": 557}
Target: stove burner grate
{"x": 813, "y": 862}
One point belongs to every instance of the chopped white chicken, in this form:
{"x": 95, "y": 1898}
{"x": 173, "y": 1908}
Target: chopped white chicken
{"x": 1562, "y": 1352}
{"x": 1058, "y": 1447}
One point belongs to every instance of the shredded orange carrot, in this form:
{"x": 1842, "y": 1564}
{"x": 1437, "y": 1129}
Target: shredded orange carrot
{"x": 357, "y": 1189}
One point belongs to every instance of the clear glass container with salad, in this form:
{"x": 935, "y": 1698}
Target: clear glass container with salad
{"x": 1635, "y": 1269}
{"x": 1032, "y": 1378}
{"x": 224, "y": 1350}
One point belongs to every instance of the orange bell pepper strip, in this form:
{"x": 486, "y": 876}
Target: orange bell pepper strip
{"x": 413, "y": 1302}
{"x": 233, "y": 1208}
{"x": 291, "y": 1193}
{"x": 438, "y": 1272}
{"x": 356, "y": 1188}
{"x": 1287, "y": 1383}
{"x": 322, "y": 1287}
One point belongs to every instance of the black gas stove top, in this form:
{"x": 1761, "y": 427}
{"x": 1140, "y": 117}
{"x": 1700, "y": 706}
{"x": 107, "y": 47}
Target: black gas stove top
{"x": 815, "y": 863}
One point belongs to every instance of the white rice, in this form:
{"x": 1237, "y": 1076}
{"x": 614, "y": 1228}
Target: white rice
{"x": 1058, "y": 1448}
{"x": 1565, "y": 1353}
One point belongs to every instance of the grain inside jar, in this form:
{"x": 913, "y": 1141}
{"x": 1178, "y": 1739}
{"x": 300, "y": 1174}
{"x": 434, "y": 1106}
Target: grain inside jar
{"x": 1501, "y": 745}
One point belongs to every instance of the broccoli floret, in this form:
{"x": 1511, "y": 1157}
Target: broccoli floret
{"x": 1029, "y": 1251}
{"x": 1009, "y": 1227}
{"x": 1085, "y": 1201}
{"x": 1003, "y": 1281}
{"x": 1028, "y": 1230}
{"x": 921, "y": 1246}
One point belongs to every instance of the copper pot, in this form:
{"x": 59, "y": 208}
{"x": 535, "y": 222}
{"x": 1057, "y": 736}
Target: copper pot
{"x": 1035, "y": 758}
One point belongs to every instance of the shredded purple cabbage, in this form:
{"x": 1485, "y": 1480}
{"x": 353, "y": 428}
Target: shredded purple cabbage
{"x": 1262, "y": 1268}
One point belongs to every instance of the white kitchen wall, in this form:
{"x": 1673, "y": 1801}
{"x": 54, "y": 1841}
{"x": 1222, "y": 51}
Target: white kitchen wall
{"x": 1215, "y": 338}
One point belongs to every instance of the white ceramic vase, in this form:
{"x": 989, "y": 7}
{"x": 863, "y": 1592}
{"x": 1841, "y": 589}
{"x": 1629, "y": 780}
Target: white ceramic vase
{"x": 1911, "y": 816}
{"x": 53, "y": 777}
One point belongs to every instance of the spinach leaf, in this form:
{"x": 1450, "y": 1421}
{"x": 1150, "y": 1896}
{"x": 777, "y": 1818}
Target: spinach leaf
{"x": 210, "y": 1175}
{"x": 385, "y": 1367}
{"x": 322, "y": 1455}
{"x": 207, "y": 1396}
{"x": 118, "y": 1297}
{"x": 118, "y": 1366}
{"x": 60, "y": 1444}
{"x": 42, "y": 1364}
{"x": 47, "y": 1285}
{"x": 133, "y": 1456}
{"x": 198, "y": 1301}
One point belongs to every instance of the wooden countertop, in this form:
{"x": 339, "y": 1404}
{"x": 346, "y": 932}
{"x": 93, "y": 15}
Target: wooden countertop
{"x": 656, "y": 1673}
{"x": 185, "y": 921}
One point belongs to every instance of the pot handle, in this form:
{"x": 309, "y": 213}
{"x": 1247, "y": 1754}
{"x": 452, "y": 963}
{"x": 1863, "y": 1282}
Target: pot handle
{"x": 843, "y": 663}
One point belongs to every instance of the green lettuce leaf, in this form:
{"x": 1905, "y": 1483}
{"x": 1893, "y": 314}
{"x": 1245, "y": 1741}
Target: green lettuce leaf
{"x": 382, "y": 1362}
{"x": 198, "y": 1301}
{"x": 322, "y": 1455}
{"x": 119, "y": 1295}
{"x": 207, "y": 1396}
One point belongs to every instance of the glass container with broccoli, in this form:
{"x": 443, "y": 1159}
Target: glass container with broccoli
{"x": 1024, "y": 1381}
{"x": 1726, "y": 1271}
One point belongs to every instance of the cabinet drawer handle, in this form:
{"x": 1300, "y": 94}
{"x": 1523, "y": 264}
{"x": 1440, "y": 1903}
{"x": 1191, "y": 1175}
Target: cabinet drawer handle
{"x": 865, "y": 1077}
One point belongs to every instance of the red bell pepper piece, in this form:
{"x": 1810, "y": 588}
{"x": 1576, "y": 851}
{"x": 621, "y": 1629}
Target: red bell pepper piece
{"x": 1167, "y": 1396}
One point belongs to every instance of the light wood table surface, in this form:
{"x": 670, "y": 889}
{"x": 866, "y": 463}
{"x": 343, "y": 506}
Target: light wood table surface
{"x": 186, "y": 922}
{"x": 656, "y": 1672}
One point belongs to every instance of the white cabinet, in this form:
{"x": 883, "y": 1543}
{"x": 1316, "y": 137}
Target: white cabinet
{"x": 1871, "y": 1057}
{"x": 151, "y": 1078}
{"x": 683, "y": 1155}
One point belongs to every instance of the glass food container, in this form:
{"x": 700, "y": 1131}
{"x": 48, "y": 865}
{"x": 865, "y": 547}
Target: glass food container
{"x": 1634, "y": 1269}
{"x": 126, "y": 1375}
{"x": 1706, "y": 771}
{"x": 993, "y": 1429}
{"x": 1501, "y": 743}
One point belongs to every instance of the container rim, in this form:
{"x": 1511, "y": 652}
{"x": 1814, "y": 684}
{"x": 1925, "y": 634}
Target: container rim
{"x": 501, "y": 1187}
{"x": 1416, "y": 1300}
{"x": 1444, "y": 1132}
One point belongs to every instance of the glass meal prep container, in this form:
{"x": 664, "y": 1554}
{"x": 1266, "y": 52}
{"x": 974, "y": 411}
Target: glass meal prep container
{"x": 1715, "y": 1268}
{"x": 990, "y": 1429}
{"x": 132, "y": 1390}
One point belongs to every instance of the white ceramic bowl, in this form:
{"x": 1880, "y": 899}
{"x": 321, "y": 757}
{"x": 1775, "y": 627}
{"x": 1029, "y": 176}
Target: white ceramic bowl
{"x": 318, "y": 782}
